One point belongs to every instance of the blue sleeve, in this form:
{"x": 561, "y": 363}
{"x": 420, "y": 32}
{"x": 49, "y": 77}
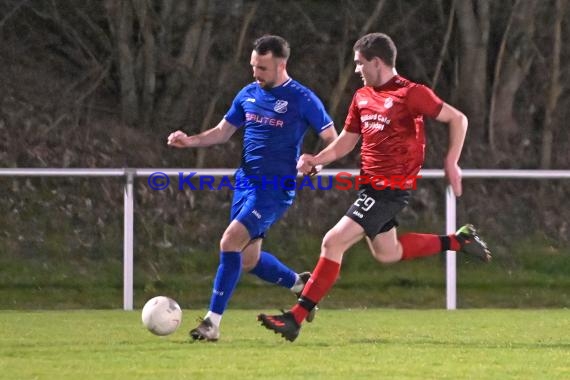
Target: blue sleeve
{"x": 236, "y": 115}
{"x": 315, "y": 114}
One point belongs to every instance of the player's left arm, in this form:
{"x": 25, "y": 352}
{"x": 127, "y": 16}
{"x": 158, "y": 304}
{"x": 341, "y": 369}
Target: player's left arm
{"x": 328, "y": 135}
{"x": 317, "y": 117}
{"x": 457, "y": 123}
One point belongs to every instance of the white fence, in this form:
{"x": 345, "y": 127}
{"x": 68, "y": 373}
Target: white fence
{"x": 129, "y": 175}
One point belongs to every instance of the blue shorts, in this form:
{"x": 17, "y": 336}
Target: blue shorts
{"x": 258, "y": 209}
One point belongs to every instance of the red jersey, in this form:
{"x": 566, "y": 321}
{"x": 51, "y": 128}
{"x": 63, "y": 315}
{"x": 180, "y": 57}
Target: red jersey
{"x": 390, "y": 120}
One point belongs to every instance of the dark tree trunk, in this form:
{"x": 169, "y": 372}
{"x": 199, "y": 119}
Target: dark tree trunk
{"x": 474, "y": 22}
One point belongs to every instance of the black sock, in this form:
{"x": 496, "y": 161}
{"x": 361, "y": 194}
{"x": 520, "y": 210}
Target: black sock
{"x": 445, "y": 243}
{"x": 306, "y": 303}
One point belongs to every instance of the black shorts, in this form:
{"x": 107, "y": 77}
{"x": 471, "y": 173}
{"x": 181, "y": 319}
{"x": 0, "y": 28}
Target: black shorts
{"x": 376, "y": 210}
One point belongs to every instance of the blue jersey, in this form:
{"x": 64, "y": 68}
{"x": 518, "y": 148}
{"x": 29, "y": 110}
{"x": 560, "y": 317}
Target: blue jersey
{"x": 275, "y": 121}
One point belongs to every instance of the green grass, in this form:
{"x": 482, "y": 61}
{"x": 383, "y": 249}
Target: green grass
{"x": 340, "y": 344}
{"x": 529, "y": 283}
{"x": 528, "y": 274}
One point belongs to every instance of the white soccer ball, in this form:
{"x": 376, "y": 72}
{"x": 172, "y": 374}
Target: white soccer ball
{"x": 161, "y": 315}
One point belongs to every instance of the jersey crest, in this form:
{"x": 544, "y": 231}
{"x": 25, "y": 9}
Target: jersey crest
{"x": 280, "y": 106}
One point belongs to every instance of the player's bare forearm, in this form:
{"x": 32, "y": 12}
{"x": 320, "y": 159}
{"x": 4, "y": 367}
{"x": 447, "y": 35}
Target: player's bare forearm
{"x": 457, "y": 122}
{"x": 217, "y": 135}
{"x": 339, "y": 148}
{"x": 304, "y": 165}
{"x": 307, "y": 164}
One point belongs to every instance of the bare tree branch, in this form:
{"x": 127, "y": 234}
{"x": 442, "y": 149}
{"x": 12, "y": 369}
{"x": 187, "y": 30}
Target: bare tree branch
{"x": 324, "y": 37}
{"x": 121, "y": 17}
{"x": 206, "y": 38}
{"x": 346, "y": 72}
{"x": 514, "y": 59}
{"x": 226, "y": 69}
{"x": 192, "y": 37}
{"x": 497, "y": 75}
{"x": 444, "y": 46}
{"x": 554, "y": 89}
{"x": 12, "y": 12}
{"x": 472, "y": 79}
{"x": 243, "y": 31}
{"x": 143, "y": 10}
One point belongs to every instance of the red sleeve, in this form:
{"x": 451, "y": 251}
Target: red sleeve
{"x": 352, "y": 122}
{"x": 423, "y": 101}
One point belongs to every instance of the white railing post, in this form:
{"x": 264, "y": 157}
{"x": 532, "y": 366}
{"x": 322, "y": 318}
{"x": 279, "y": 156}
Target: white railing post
{"x": 450, "y": 256}
{"x": 128, "y": 241}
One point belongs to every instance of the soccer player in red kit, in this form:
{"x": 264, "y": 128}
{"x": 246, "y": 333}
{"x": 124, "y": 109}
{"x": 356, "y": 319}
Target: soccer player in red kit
{"x": 387, "y": 113}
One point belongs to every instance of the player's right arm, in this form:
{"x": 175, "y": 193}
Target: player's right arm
{"x": 457, "y": 123}
{"x": 217, "y": 135}
{"x": 339, "y": 148}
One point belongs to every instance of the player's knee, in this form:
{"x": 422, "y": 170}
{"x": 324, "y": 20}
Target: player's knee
{"x": 332, "y": 246}
{"x": 235, "y": 238}
{"x": 386, "y": 256}
{"x": 229, "y": 243}
{"x": 329, "y": 241}
{"x": 248, "y": 260}
{"x": 246, "y": 266}
{"x": 224, "y": 241}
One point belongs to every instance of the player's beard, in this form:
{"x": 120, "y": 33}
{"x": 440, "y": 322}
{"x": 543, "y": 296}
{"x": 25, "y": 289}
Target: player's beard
{"x": 265, "y": 84}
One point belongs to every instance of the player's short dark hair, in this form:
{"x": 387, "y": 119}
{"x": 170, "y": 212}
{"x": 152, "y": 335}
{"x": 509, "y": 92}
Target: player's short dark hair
{"x": 377, "y": 45}
{"x": 272, "y": 44}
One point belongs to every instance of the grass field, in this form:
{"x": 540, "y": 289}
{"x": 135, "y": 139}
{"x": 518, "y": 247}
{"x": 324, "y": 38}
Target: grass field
{"x": 340, "y": 344}
{"x": 536, "y": 279}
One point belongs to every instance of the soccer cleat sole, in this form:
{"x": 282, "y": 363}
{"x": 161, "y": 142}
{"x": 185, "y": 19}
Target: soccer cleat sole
{"x": 263, "y": 319}
{"x": 205, "y": 331}
{"x": 196, "y": 336}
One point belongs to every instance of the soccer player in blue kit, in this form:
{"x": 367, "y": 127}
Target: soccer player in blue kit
{"x": 275, "y": 112}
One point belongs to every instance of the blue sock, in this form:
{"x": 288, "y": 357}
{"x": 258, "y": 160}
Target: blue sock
{"x": 226, "y": 280}
{"x": 270, "y": 269}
